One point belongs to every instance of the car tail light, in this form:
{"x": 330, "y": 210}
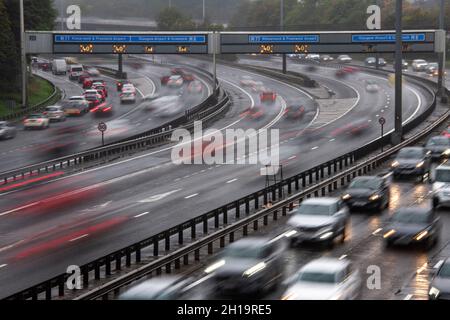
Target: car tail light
{"x": 94, "y": 109}
{"x": 107, "y": 109}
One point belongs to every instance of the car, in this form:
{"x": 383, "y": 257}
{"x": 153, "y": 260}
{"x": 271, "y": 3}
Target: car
{"x": 432, "y": 67}
{"x": 247, "y": 81}
{"x": 87, "y": 83}
{"x": 413, "y": 226}
{"x": 248, "y": 266}
{"x": 326, "y": 58}
{"x": 103, "y": 109}
{"x": 158, "y": 288}
{"x": 99, "y": 94}
{"x": 325, "y": 279}
{"x": 94, "y": 99}
{"x": 411, "y": 161}
{"x": 255, "y": 113}
{"x": 7, "y": 130}
{"x": 164, "y": 80}
{"x": 372, "y": 86}
{"x": 164, "y": 106}
{"x": 405, "y": 64}
{"x": 175, "y": 81}
{"x": 367, "y": 192}
{"x": 340, "y": 73}
{"x": 195, "y": 87}
{"x": 75, "y": 107}
{"x": 440, "y": 282}
{"x": 294, "y": 112}
{"x": 37, "y": 120}
{"x": 313, "y": 56}
{"x": 419, "y": 65}
{"x": 319, "y": 220}
{"x": 93, "y": 72}
{"x": 258, "y": 86}
{"x": 438, "y": 147}
{"x": 55, "y": 113}
{"x": 441, "y": 186}
{"x": 83, "y": 77}
{"x": 100, "y": 88}
{"x": 268, "y": 96}
{"x": 344, "y": 59}
{"x": 129, "y": 87}
{"x": 127, "y": 97}
{"x": 75, "y": 71}
{"x": 44, "y": 65}
{"x": 371, "y": 61}
{"x": 120, "y": 83}
{"x": 354, "y": 128}
{"x": 446, "y": 132}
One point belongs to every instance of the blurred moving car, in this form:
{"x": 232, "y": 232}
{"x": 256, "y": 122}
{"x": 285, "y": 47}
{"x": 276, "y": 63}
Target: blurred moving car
{"x": 175, "y": 81}
{"x": 438, "y": 147}
{"x": 55, "y": 113}
{"x": 120, "y": 83}
{"x": 320, "y": 220}
{"x": 419, "y": 65}
{"x": 75, "y": 107}
{"x": 87, "y": 83}
{"x": 93, "y": 72}
{"x": 75, "y": 71}
{"x": 127, "y": 97}
{"x": 60, "y": 142}
{"x": 413, "y": 225}
{"x": 104, "y": 109}
{"x": 372, "y": 86}
{"x": 446, "y": 132}
{"x": 102, "y": 87}
{"x": 195, "y": 87}
{"x": 367, "y": 192}
{"x": 411, "y": 161}
{"x": 325, "y": 279}
{"x": 344, "y": 58}
{"x": 248, "y": 266}
{"x": 326, "y": 58}
{"x": 268, "y": 96}
{"x": 94, "y": 99}
{"x": 37, "y": 120}
{"x": 7, "y": 130}
{"x": 440, "y": 283}
{"x": 159, "y": 288}
{"x": 405, "y": 64}
{"x": 247, "y": 81}
{"x": 441, "y": 186}
{"x": 255, "y": 113}
{"x": 129, "y": 87}
{"x": 340, "y": 73}
{"x": 164, "y": 80}
{"x": 313, "y": 56}
{"x": 164, "y": 106}
{"x": 83, "y": 77}
{"x": 181, "y": 72}
{"x": 354, "y": 128}
{"x": 372, "y": 61}
{"x": 432, "y": 67}
{"x": 294, "y": 112}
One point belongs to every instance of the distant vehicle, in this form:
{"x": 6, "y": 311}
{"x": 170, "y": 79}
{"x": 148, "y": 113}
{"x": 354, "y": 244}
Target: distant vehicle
{"x": 75, "y": 71}
{"x": 313, "y": 56}
{"x": 95, "y": 91}
{"x": 120, "y": 83}
{"x": 44, "y": 65}
{"x": 160, "y": 288}
{"x": 446, "y": 132}
{"x": 440, "y": 283}
{"x": 94, "y": 99}
{"x": 7, "y": 130}
{"x": 372, "y": 86}
{"x": 102, "y": 109}
{"x": 55, "y": 113}
{"x": 367, "y": 192}
{"x": 432, "y": 67}
{"x": 371, "y": 61}
{"x": 127, "y": 97}
{"x": 268, "y": 96}
{"x": 295, "y": 112}
{"x": 258, "y": 86}
{"x": 93, "y": 72}
{"x": 75, "y": 107}
{"x": 353, "y": 128}
{"x": 248, "y": 266}
{"x": 247, "y": 81}
{"x": 71, "y": 60}
{"x": 164, "y": 106}
{"x": 319, "y": 220}
{"x": 413, "y": 225}
{"x": 195, "y": 87}
{"x": 181, "y": 72}
{"x": 419, "y": 65}
{"x": 325, "y": 279}
{"x": 59, "y": 66}
{"x": 255, "y": 113}
{"x": 129, "y": 87}
{"x": 175, "y": 81}
{"x": 164, "y": 80}
{"x": 441, "y": 186}
{"x": 100, "y": 87}
{"x": 344, "y": 59}
{"x": 405, "y": 65}
{"x": 36, "y": 120}
{"x": 438, "y": 147}
{"x": 340, "y": 73}
{"x": 83, "y": 77}
{"x": 87, "y": 83}
{"x": 326, "y": 58}
{"x": 411, "y": 161}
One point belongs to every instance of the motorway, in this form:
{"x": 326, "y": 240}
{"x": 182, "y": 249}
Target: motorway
{"x": 76, "y": 218}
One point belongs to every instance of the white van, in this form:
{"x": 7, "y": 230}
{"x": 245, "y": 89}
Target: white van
{"x": 75, "y": 71}
{"x": 441, "y": 186}
{"x": 59, "y": 66}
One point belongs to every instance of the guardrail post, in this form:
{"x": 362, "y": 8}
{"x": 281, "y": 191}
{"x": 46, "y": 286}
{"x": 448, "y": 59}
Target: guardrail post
{"x": 127, "y": 257}
{"x": 289, "y": 186}
{"x": 245, "y": 231}
{"x": 280, "y": 190}
{"x": 216, "y": 219}
{"x": 322, "y": 172}
{"x": 180, "y": 235}
{"x": 108, "y": 266}
{"x": 231, "y": 237}
{"x": 247, "y": 206}
{"x": 155, "y": 247}
{"x": 48, "y": 291}
{"x": 284, "y": 210}
{"x": 256, "y": 201}
{"x": 265, "y": 196}
{"x": 340, "y": 163}
{"x": 225, "y": 215}
{"x": 205, "y": 224}
{"x": 177, "y": 264}
{"x": 335, "y": 185}
{"x": 193, "y": 229}
{"x": 34, "y": 294}
{"x": 275, "y": 215}
{"x": 61, "y": 286}
{"x": 323, "y": 191}
{"x": 210, "y": 248}
{"x": 138, "y": 253}
{"x": 255, "y": 225}
{"x": 237, "y": 210}
{"x": 346, "y": 161}
{"x": 185, "y": 259}
{"x": 342, "y": 182}
{"x": 97, "y": 270}
{"x": 167, "y": 241}
{"x": 303, "y": 180}
{"x": 85, "y": 274}
{"x": 274, "y": 193}
{"x": 329, "y": 168}
{"x": 330, "y": 188}
{"x": 118, "y": 262}
{"x": 266, "y": 220}
{"x": 310, "y": 177}
{"x": 168, "y": 268}
{"x": 197, "y": 254}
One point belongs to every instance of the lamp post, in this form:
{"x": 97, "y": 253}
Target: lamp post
{"x": 282, "y": 29}
{"x": 442, "y": 56}
{"x": 397, "y": 135}
{"x": 23, "y": 57}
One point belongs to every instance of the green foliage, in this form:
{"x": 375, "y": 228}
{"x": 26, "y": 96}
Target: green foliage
{"x": 173, "y": 19}
{"x": 8, "y": 53}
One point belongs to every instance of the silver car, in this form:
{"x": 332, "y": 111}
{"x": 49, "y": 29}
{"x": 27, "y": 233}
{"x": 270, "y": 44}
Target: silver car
{"x": 160, "y": 288}
{"x": 7, "y": 130}
{"x": 127, "y": 97}
{"x": 319, "y": 220}
{"x": 55, "y": 113}
{"x": 440, "y": 284}
{"x": 325, "y": 279}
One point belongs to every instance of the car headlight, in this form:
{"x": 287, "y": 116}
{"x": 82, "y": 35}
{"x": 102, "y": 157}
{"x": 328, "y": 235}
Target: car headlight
{"x": 395, "y": 164}
{"x": 255, "y": 269}
{"x": 389, "y": 233}
{"x": 434, "y": 292}
{"x": 446, "y": 152}
{"x": 215, "y": 266}
{"x": 421, "y": 235}
{"x": 346, "y": 196}
{"x": 428, "y": 152}
{"x": 374, "y": 197}
{"x": 420, "y": 164}
{"x": 289, "y": 296}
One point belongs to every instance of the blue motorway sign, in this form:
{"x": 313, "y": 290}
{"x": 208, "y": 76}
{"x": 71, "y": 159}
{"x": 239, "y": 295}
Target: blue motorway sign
{"x": 313, "y": 38}
{"x": 130, "y": 39}
{"x": 390, "y": 37}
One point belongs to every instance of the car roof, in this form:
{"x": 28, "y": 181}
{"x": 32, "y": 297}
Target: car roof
{"x": 443, "y": 166}
{"x": 325, "y": 264}
{"x": 421, "y": 210}
{"x": 255, "y": 242}
{"x": 412, "y": 148}
{"x": 53, "y": 107}
{"x": 154, "y": 284}
{"x": 367, "y": 178}
{"x": 321, "y": 200}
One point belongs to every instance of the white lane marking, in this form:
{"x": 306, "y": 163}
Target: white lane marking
{"x": 191, "y": 196}
{"x": 3, "y": 265}
{"x": 292, "y": 158}
{"x": 78, "y": 238}
{"x": 196, "y": 283}
{"x": 408, "y": 297}
{"x": 377, "y": 231}
{"x": 314, "y": 148}
{"x": 20, "y": 208}
{"x": 231, "y": 181}
{"x": 141, "y": 214}
{"x": 422, "y": 268}
{"x": 158, "y": 197}
{"x": 331, "y": 140}
{"x": 343, "y": 257}
{"x": 387, "y": 175}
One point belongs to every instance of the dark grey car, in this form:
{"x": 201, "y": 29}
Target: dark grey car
{"x": 440, "y": 284}
{"x": 367, "y": 192}
{"x": 248, "y": 266}
{"x": 413, "y": 225}
{"x": 411, "y": 161}
{"x": 438, "y": 147}
{"x": 7, "y": 130}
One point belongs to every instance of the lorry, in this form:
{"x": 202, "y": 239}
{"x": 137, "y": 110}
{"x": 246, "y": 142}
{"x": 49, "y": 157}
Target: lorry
{"x": 59, "y": 66}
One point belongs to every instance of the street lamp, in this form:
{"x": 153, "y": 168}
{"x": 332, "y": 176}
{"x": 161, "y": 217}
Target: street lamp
{"x": 442, "y": 56}
{"x": 282, "y": 29}
{"x": 23, "y": 57}
{"x": 397, "y": 135}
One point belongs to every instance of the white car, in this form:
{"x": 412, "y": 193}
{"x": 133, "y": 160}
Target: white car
{"x": 325, "y": 279}
{"x": 128, "y": 87}
{"x": 313, "y": 56}
{"x": 344, "y": 59}
{"x": 419, "y": 65}
{"x": 55, "y": 113}
{"x": 175, "y": 81}
{"x": 127, "y": 97}
{"x": 441, "y": 186}
{"x": 164, "y": 106}
{"x": 372, "y": 86}
{"x": 37, "y": 120}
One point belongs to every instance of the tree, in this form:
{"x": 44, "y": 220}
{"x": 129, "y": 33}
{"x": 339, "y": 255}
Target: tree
{"x": 170, "y": 19}
{"x": 8, "y": 53}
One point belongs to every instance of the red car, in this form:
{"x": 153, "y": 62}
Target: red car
{"x": 120, "y": 83}
{"x": 295, "y": 112}
{"x": 268, "y": 96}
{"x": 164, "y": 80}
{"x": 354, "y": 128}
{"x": 188, "y": 77}
{"x": 102, "y": 109}
{"x": 87, "y": 83}
{"x": 254, "y": 113}
{"x": 102, "y": 89}
{"x": 346, "y": 71}
{"x": 446, "y": 133}
{"x": 83, "y": 77}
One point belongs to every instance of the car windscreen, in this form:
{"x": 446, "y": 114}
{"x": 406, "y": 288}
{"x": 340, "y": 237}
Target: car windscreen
{"x": 410, "y": 154}
{"x": 320, "y": 277}
{"x": 408, "y": 216}
{"x": 243, "y": 252}
{"x": 365, "y": 184}
{"x": 51, "y": 109}
{"x": 77, "y": 69}
{"x": 315, "y": 209}
{"x": 444, "y": 272}
{"x": 438, "y": 141}
{"x": 442, "y": 175}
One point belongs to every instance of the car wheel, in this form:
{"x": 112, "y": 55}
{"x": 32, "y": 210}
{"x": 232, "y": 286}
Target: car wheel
{"x": 388, "y": 244}
{"x": 435, "y": 203}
